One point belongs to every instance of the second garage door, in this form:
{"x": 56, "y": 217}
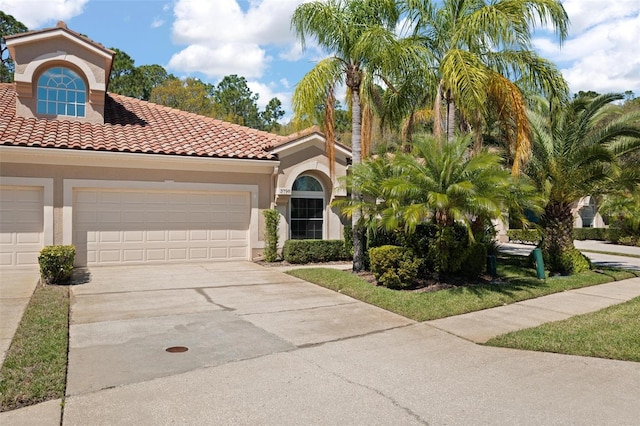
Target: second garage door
{"x": 113, "y": 226}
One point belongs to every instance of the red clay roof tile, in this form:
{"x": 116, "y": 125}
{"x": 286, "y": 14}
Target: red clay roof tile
{"x": 132, "y": 125}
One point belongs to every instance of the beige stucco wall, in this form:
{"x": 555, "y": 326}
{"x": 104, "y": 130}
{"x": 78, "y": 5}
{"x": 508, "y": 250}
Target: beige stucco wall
{"x": 311, "y": 161}
{"x": 35, "y": 57}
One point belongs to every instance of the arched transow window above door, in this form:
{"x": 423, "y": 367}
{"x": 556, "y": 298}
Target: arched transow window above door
{"x": 307, "y": 209}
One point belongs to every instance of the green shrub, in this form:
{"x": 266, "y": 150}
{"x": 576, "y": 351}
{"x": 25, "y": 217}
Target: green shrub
{"x": 347, "y": 234}
{"x": 475, "y": 260}
{"x": 447, "y": 252}
{"x": 599, "y": 234}
{"x": 524, "y": 236}
{"x": 307, "y": 251}
{"x": 614, "y": 235}
{"x": 567, "y": 262}
{"x": 573, "y": 262}
{"x": 56, "y": 264}
{"x": 629, "y": 240}
{"x": 272, "y": 219}
{"x": 393, "y": 266}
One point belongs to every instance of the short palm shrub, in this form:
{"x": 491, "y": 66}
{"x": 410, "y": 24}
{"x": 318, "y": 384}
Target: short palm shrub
{"x": 308, "y": 251}
{"x": 394, "y": 266}
{"x": 56, "y": 264}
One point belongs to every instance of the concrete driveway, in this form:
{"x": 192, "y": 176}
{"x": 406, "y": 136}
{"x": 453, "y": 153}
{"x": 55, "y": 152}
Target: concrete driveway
{"x": 266, "y": 348}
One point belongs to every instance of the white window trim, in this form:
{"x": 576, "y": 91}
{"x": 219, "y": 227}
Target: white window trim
{"x": 72, "y": 184}
{"x": 311, "y": 194}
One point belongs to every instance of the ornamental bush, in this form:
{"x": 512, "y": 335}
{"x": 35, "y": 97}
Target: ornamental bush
{"x": 56, "y": 264}
{"x": 308, "y": 251}
{"x": 393, "y": 266}
{"x": 272, "y": 218}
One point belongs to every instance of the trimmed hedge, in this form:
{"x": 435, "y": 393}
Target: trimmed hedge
{"x": 600, "y": 234}
{"x": 532, "y": 236}
{"x": 308, "y": 251}
{"x": 393, "y": 266}
{"x": 56, "y": 264}
{"x": 524, "y": 236}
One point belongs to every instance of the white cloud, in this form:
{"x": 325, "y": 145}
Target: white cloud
{"x": 293, "y": 54}
{"x": 584, "y": 14}
{"x": 217, "y": 61}
{"x": 157, "y": 23}
{"x": 266, "y": 92}
{"x": 602, "y": 52}
{"x": 34, "y": 14}
{"x": 228, "y": 34}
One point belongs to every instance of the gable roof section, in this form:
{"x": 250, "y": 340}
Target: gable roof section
{"x": 304, "y": 137}
{"x": 135, "y": 126}
{"x": 60, "y": 29}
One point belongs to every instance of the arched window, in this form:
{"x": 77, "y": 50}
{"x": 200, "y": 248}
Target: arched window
{"x": 61, "y": 92}
{"x": 307, "y": 209}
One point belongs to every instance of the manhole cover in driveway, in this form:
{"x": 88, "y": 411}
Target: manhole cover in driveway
{"x": 177, "y": 349}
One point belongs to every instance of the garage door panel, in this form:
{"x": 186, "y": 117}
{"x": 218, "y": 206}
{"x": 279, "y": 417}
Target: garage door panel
{"x": 160, "y": 226}
{"x": 21, "y": 225}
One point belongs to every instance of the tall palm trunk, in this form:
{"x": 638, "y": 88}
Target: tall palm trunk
{"x": 451, "y": 117}
{"x": 356, "y": 149}
{"x": 557, "y": 238}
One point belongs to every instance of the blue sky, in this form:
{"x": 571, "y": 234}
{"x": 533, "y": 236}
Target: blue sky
{"x": 213, "y": 38}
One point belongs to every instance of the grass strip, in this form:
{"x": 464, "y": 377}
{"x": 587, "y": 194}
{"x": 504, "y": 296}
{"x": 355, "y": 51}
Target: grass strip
{"x": 518, "y": 283}
{"x": 36, "y": 364}
{"x": 612, "y": 333}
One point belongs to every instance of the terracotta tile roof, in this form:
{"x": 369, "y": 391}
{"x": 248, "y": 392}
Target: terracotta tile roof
{"x": 132, "y": 125}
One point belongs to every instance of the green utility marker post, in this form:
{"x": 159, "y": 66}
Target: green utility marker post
{"x": 537, "y": 257}
{"x": 491, "y": 265}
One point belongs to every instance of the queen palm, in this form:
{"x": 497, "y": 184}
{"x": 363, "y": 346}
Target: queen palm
{"x": 574, "y": 155}
{"x": 479, "y": 49}
{"x": 358, "y": 34}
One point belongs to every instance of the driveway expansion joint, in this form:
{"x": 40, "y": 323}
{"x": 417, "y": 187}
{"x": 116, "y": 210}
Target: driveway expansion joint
{"x": 312, "y": 308}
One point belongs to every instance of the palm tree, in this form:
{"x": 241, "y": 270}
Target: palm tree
{"x": 358, "y": 35}
{"x": 574, "y": 155}
{"x": 479, "y": 49}
{"x": 437, "y": 182}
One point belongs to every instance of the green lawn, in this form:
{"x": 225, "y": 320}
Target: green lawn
{"x": 518, "y": 282}
{"x": 36, "y": 365}
{"x": 612, "y": 333}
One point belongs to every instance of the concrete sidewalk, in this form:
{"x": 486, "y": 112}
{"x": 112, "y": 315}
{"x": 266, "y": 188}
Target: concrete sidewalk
{"x": 481, "y": 326}
{"x": 267, "y": 348}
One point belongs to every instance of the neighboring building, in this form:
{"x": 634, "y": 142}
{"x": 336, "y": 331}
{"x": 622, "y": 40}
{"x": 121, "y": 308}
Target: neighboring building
{"x": 128, "y": 181}
{"x": 585, "y": 214}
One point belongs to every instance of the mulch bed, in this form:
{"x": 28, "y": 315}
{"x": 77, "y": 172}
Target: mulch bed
{"x": 422, "y": 285}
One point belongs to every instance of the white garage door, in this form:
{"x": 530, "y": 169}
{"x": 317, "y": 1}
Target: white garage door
{"x": 134, "y": 226}
{"x": 21, "y": 225}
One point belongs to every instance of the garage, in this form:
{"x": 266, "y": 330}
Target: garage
{"x": 123, "y": 226}
{"x": 21, "y": 225}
